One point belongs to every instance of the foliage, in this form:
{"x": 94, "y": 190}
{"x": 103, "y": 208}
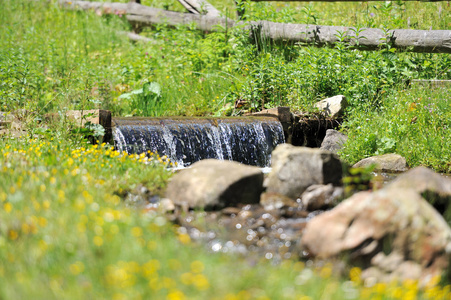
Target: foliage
{"x": 414, "y": 123}
{"x": 145, "y": 99}
{"x": 66, "y": 234}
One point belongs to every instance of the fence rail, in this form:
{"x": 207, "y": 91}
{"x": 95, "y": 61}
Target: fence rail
{"x": 431, "y": 41}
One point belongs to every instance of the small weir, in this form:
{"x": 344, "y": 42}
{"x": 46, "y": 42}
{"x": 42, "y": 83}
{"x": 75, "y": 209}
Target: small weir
{"x": 249, "y": 140}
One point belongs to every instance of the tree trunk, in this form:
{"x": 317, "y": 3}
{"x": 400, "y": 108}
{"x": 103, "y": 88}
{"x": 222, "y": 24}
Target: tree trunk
{"x": 200, "y": 7}
{"x": 136, "y": 37}
{"x": 144, "y": 15}
{"x": 431, "y": 41}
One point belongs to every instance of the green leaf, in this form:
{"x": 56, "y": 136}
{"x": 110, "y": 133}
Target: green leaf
{"x": 129, "y": 95}
{"x": 150, "y": 88}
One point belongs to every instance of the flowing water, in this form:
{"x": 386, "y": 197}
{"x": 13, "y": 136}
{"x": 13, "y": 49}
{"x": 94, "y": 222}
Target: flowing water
{"x": 187, "y": 140}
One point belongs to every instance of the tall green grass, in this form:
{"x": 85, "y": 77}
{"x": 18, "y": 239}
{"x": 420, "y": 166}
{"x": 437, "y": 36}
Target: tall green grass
{"x": 413, "y": 122}
{"x": 66, "y": 233}
{"x": 57, "y": 60}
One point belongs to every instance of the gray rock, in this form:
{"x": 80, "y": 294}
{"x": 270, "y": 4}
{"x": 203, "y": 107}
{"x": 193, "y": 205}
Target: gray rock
{"x": 6, "y": 118}
{"x": 435, "y": 188}
{"x": 166, "y": 205}
{"x": 333, "y": 107}
{"x": 394, "y": 221}
{"x": 294, "y": 169}
{"x": 333, "y": 141}
{"x": 215, "y": 183}
{"x": 385, "y": 163}
{"x": 274, "y": 201}
{"x": 321, "y": 196}
{"x": 423, "y": 180}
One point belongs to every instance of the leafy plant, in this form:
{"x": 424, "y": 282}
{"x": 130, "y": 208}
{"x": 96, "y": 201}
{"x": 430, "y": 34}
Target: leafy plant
{"x": 144, "y": 101}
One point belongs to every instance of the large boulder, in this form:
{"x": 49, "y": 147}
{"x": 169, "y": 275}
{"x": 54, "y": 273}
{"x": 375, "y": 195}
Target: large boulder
{"x": 433, "y": 187}
{"x": 296, "y": 168}
{"x": 333, "y": 107}
{"x": 423, "y": 180}
{"x": 390, "y": 162}
{"x": 333, "y": 141}
{"x": 392, "y": 234}
{"x": 215, "y": 183}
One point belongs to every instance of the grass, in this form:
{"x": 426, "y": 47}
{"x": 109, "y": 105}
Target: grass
{"x": 66, "y": 234}
{"x": 65, "y": 231}
{"x": 414, "y": 122}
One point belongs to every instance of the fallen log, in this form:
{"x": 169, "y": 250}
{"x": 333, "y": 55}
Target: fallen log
{"x": 200, "y": 7}
{"x": 431, "y": 83}
{"x": 136, "y": 37}
{"x": 139, "y": 15}
{"x": 430, "y": 41}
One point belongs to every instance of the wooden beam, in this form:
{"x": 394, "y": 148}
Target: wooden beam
{"x": 431, "y": 83}
{"x": 136, "y": 37}
{"x": 201, "y": 7}
{"x": 144, "y": 16}
{"x": 431, "y": 41}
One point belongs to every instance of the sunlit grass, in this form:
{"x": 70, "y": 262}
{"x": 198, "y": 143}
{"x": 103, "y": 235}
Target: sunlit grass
{"x": 414, "y": 122}
{"x": 65, "y": 233}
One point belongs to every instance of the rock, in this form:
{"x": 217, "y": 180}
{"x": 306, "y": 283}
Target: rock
{"x": 333, "y": 107}
{"x": 12, "y": 123}
{"x": 93, "y": 116}
{"x": 423, "y": 180}
{"x": 393, "y": 230}
{"x": 140, "y": 196}
{"x": 432, "y": 186}
{"x": 296, "y": 168}
{"x": 22, "y": 114}
{"x": 273, "y": 201}
{"x": 5, "y": 119}
{"x": 384, "y": 163}
{"x": 320, "y": 196}
{"x": 215, "y": 183}
{"x": 333, "y": 141}
{"x": 166, "y": 205}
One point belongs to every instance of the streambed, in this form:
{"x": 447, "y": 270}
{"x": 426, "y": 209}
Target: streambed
{"x": 255, "y": 231}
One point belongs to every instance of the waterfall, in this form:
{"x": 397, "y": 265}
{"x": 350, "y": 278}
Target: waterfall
{"x": 187, "y": 140}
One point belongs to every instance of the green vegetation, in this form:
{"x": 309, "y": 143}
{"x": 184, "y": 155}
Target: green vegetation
{"x": 64, "y": 230}
{"x": 414, "y": 122}
{"x": 85, "y": 63}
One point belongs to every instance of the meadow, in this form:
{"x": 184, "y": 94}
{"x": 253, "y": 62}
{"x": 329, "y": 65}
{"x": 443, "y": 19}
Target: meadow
{"x": 65, "y": 230}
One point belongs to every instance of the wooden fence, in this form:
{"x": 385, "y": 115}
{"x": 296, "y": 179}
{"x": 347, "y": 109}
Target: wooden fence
{"x": 431, "y": 41}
